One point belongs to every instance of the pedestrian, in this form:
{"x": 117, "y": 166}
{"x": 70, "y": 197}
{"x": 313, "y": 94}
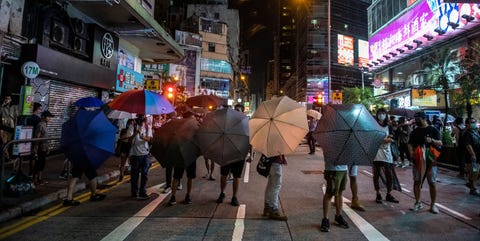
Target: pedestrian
{"x": 384, "y": 160}
{"x": 8, "y": 116}
{"x": 33, "y": 121}
{"x": 235, "y": 168}
{"x": 423, "y": 136}
{"x": 124, "y": 144}
{"x": 272, "y": 190}
{"x": 403, "y": 132}
{"x": 312, "y": 126}
{"x": 140, "y": 164}
{"x": 471, "y": 141}
{"x": 437, "y": 123}
{"x": 168, "y": 166}
{"x": 457, "y": 131}
{"x": 41, "y": 148}
{"x": 336, "y": 179}
{"x": 91, "y": 174}
{"x": 352, "y": 174}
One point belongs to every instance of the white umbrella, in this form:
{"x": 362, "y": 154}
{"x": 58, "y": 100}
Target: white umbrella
{"x": 315, "y": 114}
{"x": 277, "y": 126}
{"x": 118, "y": 114}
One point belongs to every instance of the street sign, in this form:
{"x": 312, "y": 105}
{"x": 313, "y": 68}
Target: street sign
{"x": 337, "y": 98}
{"x": 30, "y": 70}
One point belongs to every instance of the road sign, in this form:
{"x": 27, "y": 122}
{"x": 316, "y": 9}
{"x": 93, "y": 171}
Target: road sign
{"x": 337, "y": 97}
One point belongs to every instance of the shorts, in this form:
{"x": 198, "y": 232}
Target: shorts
{"x": 336, "y": 181}
{"x": 125, "y": 148}
{"x": 431, "y": 176}
{"x": 236, "y": 168}
{"x": 90, "y": 172}
{"x": 353, "y": 170}
{"x": 191, "y": 171}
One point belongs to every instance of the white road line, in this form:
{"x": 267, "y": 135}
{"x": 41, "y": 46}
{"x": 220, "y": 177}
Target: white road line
{"x": 246, "y": 174}
{"x": 367, "y": 172}
{"x": 239, "y": 224}
{"x": 453, "y": 212}
{"x": 122, "y": 231}
{"x": 403, "y": 188}
{"x": 366, "y": 228}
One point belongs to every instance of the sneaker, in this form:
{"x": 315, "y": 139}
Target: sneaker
{"x": 211, "y": 178}
{"x": 167, "y": 190}
{"x": 357, "y": 206}
{"x": 390, "y": 198}
{"x": 187, "y": 199}
{"x": 72, "y": 202}
{"x": 474, "y": 192}
{"x": 266, "y": 212}
{"x": 379, "y": 198}
{"x": 180, "y": 186}
{"x": 417, "y": 207}
{"x": 221, "y": 197}
{"x": 172, "y": 201}
{"x": 405, "y": 165}
{"x": 325, "y": 225}
{"x": 144, "y": 197}
{"x": 434, "y": 209}
{"x": 275, "y": 215}
{"x": 340, "y": 221}
{"x": 235, "y": 202}
{"x": 98, "y": 197}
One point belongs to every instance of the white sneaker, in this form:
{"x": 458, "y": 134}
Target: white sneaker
{"x": 434, "y": 209}
{"x": 417, "y": 207}
{"x": 180, "y": 186}
{"x": 167, "y": 190}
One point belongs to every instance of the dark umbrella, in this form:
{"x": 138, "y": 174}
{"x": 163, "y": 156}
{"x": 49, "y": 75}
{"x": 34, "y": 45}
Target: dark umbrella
{"x": 223, "y": 136}
{"x": 173, "y": 145}
{"x": 204, "y": 101}
{"x": 348, "y": 134}
{"x": 89, "y": 102}
{"x": 88, "y": 139}
{"x": 402, "y": 112}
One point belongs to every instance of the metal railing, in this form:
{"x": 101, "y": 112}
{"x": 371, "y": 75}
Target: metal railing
{"x": 5, "y": 148}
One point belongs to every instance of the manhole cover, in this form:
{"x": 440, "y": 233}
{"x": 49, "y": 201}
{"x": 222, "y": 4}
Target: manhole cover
{"x": 312, "y": 172}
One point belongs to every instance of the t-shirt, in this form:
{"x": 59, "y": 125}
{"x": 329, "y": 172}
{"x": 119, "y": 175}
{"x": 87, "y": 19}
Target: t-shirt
{"x": 41, "y": 131}
{"x": 471, "y": 137}
{"x": 140, "y": 147}
{"x": 417, "y": 137}
{"x": 384, "y": 153}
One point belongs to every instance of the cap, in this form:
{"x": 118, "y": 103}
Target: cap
{"x": 47, "y": 114}
{"x": 420, "y": 114}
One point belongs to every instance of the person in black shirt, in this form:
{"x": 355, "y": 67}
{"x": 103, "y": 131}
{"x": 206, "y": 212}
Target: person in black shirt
{"x": 471, "y": 142}
{"x": 423, "y": 136}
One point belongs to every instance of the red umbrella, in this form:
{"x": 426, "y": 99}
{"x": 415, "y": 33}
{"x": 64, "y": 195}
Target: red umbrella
{"x": 142, "y": 102}
{"x": 204, "y": 101}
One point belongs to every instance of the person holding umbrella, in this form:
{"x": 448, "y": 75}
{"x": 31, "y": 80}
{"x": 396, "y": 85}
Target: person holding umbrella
{"x": 139, "y": 158}
{"x": 312, "y": 125}
{"x": 421, "y": 139}
{"x": 384, "y": 159}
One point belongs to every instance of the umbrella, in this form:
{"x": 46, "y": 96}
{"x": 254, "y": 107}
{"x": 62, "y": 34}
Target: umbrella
{"x": 315, "y": 114}
{"x": 223, "y": 136}
{"x": 89, "y": 102}
{"x": 118, "y": 114}
{"x": 173, "y": 145}
{"x": 348, "y": 134}
{"x": 88, "y": 139}
{"x": 408, "y": 113}
{"x": 277, "y": 126}
{"x": 204, "y": 101}
{"x": 141, "y": 102}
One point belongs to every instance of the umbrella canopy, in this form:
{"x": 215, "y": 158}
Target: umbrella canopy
{"x": 142, "y": 102}
{"x": 89, "y": 102}
{"x": 408, "y": 113}
{"x": 118, "y": 114}
{"x": 223, "y": 136}
{"x": 88, "y": 139}
{"x": 277, "y": 126}
{"x": 348, "y": 134}
{"x": 204, "y": 101}
{"x": 173, "y": 144}
{"x": 315, "y": 114}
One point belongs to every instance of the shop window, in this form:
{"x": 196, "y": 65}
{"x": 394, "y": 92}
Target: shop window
{"x": 211, "y": 47}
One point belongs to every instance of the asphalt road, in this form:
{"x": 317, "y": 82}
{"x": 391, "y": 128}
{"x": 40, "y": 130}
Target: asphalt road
{"x": 119, "y": 217}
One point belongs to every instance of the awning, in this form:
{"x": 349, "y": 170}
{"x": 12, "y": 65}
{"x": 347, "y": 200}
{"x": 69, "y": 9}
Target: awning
{"x": 133, "y": 23}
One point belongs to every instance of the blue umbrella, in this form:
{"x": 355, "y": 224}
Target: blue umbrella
{"x": 89, "y": 102}
{"x": 88, "y": 139}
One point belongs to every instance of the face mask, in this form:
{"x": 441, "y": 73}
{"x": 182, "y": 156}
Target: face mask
{"x": 382, "y": 117}
{"x": 418, "y": 122}
{"x": 473, "y": 125}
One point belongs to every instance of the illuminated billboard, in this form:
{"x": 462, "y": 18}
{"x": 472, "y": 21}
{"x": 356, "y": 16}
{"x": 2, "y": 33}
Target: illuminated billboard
{"x": 362, "y": 53}
{"x": 345, "y": 50}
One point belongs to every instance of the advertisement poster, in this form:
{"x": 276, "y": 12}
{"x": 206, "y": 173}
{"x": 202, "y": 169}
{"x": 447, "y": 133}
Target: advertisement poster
{"x": 26, "y": 99}
{"x": 424, "y": 98}
{"x": 22, "y": 133}
{"x": 128, "y": 79}
{"x": 190, "y": 62}
{"x": 125, "y": 59}
{"x": 363, "y": 57}
{"x": 345, "y": 50}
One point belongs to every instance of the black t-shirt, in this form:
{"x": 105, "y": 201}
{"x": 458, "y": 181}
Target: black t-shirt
{"x": 472, "y": 137}
{"x": 417, "y": 137}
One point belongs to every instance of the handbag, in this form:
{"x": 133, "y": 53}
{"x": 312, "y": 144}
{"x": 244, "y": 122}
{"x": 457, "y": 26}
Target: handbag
{"x": 264, "y": 165}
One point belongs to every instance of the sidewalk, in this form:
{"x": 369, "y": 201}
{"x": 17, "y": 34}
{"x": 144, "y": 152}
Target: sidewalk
{"x": 53, "y": 191}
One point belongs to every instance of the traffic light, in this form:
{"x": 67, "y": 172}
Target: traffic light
{"x": 318, "y": 100}
{"x": 169, "y": 92}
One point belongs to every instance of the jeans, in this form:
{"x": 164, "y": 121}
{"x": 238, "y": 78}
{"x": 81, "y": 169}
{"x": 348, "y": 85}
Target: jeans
{"x": 273, "y": 187}
{"x": 139, "y": 166}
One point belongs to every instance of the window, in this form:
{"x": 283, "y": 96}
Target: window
{"x": 217, "y": 16}
{"x": 211, "y": 47}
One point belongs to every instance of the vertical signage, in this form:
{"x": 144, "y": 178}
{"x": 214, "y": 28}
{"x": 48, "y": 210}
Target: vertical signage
{"x": 363, "y": 57}
{"x": 345, "y": 50}
{"x": 105, "y": 49}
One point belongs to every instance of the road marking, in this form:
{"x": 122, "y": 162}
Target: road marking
{"x": 246, "y": 175}
{"x": 366, "y": 228}
{"x": 367, "y": 172}
{"x": 239, "y": 224}
{"x": 122, "y": 231}
{"x": 453, "y": 212}
{"x": 403, "y": 188}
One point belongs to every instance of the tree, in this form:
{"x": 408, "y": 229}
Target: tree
{"x": 470, "y": 79}
{"x": 354, "y": 96}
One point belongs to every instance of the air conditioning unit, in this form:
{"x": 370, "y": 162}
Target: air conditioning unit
{"x": 79, "y": 27}
{"x": 79, "y": 46}
{"x": 59, "y": 34}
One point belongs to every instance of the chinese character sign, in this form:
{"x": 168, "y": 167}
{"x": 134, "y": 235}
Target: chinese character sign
{"x": 345, "y": 50}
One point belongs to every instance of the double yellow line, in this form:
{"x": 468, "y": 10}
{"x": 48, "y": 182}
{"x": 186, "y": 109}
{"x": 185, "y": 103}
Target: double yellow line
{"x": 27, "y": 222}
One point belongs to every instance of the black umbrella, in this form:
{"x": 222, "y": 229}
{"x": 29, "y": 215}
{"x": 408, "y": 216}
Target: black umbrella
{"x": 408, "y": 113}
{"x": 223, "y": 136}
{"x": 348, "y": 134}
